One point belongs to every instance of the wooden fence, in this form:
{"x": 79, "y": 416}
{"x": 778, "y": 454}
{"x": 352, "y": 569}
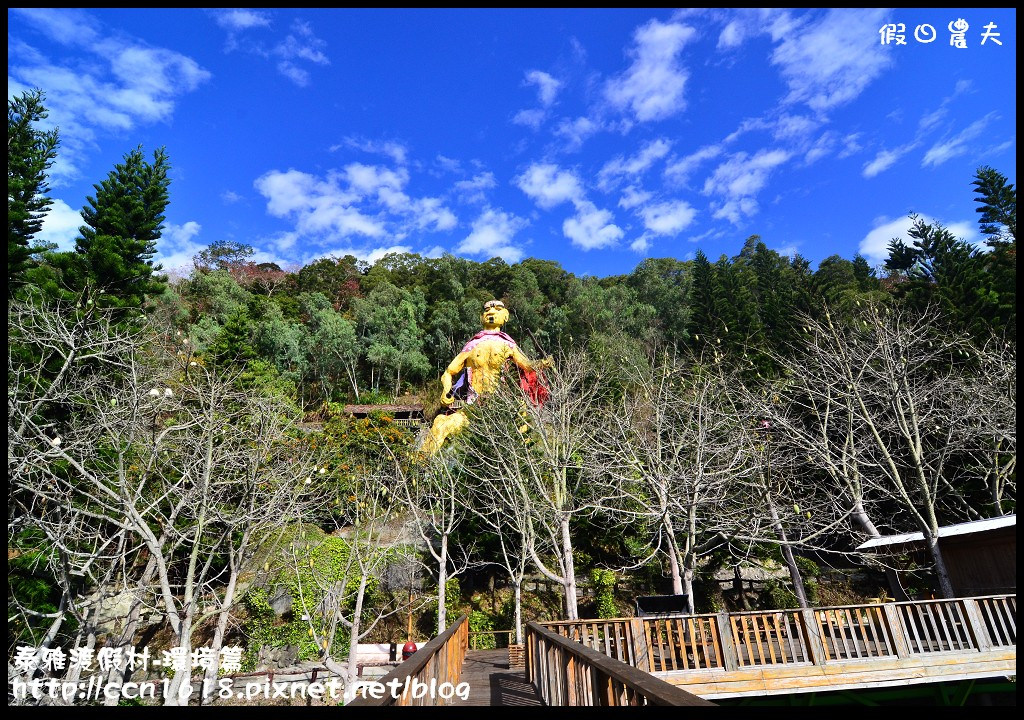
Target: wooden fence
{"x": 816, "y": 636}
{"x": 565, "y": 672}
{"x": 439, "y": 661}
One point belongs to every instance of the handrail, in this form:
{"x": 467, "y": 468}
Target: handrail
{"x": 815, "y": 636}
{"x": 565, "y": 672}
{"x": 439, "y": 660}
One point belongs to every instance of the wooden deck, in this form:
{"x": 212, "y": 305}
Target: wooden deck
{"x": 492, "y": 682}
{"x": 781, "y": 652}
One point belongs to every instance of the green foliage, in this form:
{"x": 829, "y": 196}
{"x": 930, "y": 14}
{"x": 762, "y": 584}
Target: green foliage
{"x": 776, "y": 596}
{"x": 309, "y": 563}
{"x": 480, "y": 621}
{"x": 123, "y": 221}
{"x": 603, "y": 582}
{"x": 998, "y": 206}
{"x": 30, "y": 153}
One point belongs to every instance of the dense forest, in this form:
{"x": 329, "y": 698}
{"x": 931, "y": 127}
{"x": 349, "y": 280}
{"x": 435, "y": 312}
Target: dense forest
{"x": 182, "y": 471}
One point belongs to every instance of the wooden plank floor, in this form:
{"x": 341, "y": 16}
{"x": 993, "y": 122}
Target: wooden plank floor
{"x": 492, "y": 682}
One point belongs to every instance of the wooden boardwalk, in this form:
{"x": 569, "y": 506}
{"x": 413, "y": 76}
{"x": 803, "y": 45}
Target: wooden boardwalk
{"x": 492, "y": 682}
{"x": 761, "y": 653}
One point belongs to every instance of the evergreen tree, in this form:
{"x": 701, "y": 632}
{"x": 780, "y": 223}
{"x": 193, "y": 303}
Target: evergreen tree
{"x": 122, "y": 224}
{"x": 30, "y": 153}
{"x": 938, "y": 268}
{"x": 998, "y": 206}
{"x": 999, "y": 222}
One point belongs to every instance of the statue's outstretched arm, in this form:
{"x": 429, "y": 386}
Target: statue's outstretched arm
{"x": 524, "y": 363}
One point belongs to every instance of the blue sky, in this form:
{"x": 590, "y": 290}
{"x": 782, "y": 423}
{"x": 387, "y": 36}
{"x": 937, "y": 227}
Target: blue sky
{"x": 592, "y": 137}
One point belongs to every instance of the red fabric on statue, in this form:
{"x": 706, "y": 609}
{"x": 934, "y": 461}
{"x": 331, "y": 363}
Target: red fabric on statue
{"x": 532, "y": 383}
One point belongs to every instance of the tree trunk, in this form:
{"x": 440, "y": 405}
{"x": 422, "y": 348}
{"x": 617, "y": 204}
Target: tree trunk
{"x": 569, "y": 581}
{"x": 673, "y": 559}
{"x": 353, "y": 641}
{"x": 442, "y": 581}
{"x": 519, "y": 610}
{"x": 688, "y": 575}
{"x": 787, "y": 555}
{"x": 182, "y": 678}
{"x": 210, "y": 677}
{"x": 945, "y": 584}
{"x": 861, "y": 517}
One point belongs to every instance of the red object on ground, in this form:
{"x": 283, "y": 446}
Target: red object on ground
{"x": 408, "y": 649}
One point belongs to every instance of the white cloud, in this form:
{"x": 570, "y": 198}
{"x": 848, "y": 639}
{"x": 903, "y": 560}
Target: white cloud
{"x": 472, "y": 190}
{"x": 591, "y": 228}
{"x": 60, "y": 225}
{"x": 302, "y": 44}
{"x": 951, "y": 148}
{"x": 851, "y": 146}
{"x": 318, "y": 207}
{"x": 395, "y": 150}
{"x": 361, "y": 199}
{"x": 229, "y": 197}
{"x": 734, "y": 210}
{"x": 652, "y": 87}
{"x": 633, "y": 166}
{"x": 822, "y": 147}
{"x": 65, "y": 25}
{"x": 176, "y": 247}
{"x": 875, "y": 245}
{"x": 448, "y": 163}
{"x": 547, "y": 86}
{"x": 369, "y": 179}
{"x": 731, "y": 36}
{"x": 829, "y": 62}
{"x": 492, "y": 234}
{"x": 885, "y": 159}
{"x": 236, "y": 19}
{"x": 576, "y": 132}
{"x": 641, "y": 245}
{"x": 794, "y": 126}
{"x": 548, "y": 186}
{"x": 532, "y": 118}
{"x": 140, "y": 83}
{"x": 632, "y": 197}
{"x": 678, "y": 171}
{"x": 746, "y": 126}
{"x": 668, "y": 218}
{"x": 740, "y": 178}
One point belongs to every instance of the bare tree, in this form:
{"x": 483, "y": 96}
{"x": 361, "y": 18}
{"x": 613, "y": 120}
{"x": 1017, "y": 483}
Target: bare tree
{"x": 674, "y": 449}
{"x": 335, "y": 593}
{"x": 435, "y": 494}
{"x": 885, "y": 394}
{"x": 170, "y": 463}
{"x": 542, "y": 452}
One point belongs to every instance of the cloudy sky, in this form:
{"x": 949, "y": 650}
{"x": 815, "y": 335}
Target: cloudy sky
{"x": 592, "y": 137}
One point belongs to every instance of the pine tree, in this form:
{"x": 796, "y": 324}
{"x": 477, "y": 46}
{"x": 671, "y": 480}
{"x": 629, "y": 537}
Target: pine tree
{"x": 30, "y": 153}
{"x": 998, "y": 206}
{"x": 122, "y": 224}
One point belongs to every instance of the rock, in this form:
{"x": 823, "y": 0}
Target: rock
{"x": 281, "y": 602}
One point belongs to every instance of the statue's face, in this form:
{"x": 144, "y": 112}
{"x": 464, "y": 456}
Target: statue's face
{"x": 495, "y": 315}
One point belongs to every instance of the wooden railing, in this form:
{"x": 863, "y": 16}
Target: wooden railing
{"x": 815, "y": 636}
{"x": 440, "y": 661}
{"x": 566, "y": 672}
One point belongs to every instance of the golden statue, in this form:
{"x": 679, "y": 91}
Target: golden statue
{"x": 475, "y": 372}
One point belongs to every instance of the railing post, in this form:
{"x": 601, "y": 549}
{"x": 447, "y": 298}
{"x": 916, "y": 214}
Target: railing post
{"x": 730, "y": 660}
{"x": 641, "y": 653}
{"x": 978, "y": 630}
{"x": 897, "y": 631}
{"x": 812, "y": 634}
